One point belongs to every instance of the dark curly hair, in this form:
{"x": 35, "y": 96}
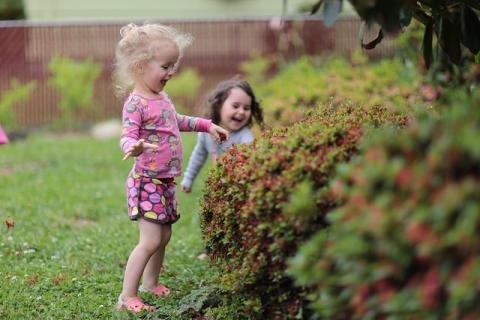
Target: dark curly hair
{"x": 221, "y": 93}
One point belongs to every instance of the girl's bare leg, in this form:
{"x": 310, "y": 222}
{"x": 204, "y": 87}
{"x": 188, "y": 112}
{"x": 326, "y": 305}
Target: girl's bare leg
{"x": 149, "y": 243}
{"x": 155, "y": 263}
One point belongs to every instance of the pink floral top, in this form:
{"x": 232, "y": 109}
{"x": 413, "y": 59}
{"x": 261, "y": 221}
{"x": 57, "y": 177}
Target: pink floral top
{"x": 156, "y": 121}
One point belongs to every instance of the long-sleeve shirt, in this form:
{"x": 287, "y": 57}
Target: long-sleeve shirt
{"x": 156, "y": 121}
{"x": 205, "y": 146}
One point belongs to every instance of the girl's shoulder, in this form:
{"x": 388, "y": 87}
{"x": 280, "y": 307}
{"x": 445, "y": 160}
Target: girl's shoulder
{"x": 166, "y": 97}
{"x": 136, "y": 100}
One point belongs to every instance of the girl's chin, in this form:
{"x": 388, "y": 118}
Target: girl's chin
{"x": 235, "y": 127}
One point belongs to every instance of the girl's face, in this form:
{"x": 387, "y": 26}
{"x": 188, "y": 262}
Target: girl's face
{"x": 236, "y": 110}
{"x": 153, "y": 75}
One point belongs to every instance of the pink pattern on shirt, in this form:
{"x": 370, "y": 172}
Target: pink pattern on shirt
{"x": 156, "y": 121}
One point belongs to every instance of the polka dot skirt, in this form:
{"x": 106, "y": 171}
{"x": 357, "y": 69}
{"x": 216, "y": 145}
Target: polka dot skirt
{"x": 152, "y": 199}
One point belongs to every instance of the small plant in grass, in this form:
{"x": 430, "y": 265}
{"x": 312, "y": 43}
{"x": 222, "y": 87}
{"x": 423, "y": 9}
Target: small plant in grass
{"x": 405, "y": 244}
{"x": 75, "y": 82}
{"x": 17, "y": 94}
{"x": 245, "y": 217}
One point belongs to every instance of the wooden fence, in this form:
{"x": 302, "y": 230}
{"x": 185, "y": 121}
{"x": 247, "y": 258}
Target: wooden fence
{"x": 219, "y": 47}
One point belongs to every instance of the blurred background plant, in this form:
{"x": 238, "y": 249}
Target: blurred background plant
{"x": 12, "y": 10}
{"x": 75, "y": 81}
{"x": 15, "y": 95}
{"x": 184, "y": 86}
{"x": 310, "y": 81}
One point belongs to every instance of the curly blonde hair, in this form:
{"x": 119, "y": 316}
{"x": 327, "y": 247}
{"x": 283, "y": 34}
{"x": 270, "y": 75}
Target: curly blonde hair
{"x": 137, "y": 45}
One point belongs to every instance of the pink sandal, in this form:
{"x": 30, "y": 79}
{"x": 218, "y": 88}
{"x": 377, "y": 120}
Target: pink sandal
{"x": 133, "y": 304}
{"x": 159, "y": 290}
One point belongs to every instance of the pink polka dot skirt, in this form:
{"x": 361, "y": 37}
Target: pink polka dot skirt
{"x": 152, "y": 199}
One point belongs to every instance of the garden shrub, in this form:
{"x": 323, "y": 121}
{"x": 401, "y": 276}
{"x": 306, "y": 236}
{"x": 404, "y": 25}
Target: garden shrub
{"x": 17, "y": 94}
{"x": 245, "y": 218}
{"x": 405, "y": 244}
{"x": 75, "y": 81}
{"x": 303, "y": 84}
{"x": 184, "y": 87}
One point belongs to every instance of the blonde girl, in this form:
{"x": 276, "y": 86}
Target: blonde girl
{"x": 146, "y": 58}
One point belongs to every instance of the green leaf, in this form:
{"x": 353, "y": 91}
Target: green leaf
{"x": 316, "y": 6}
{"x": 470, "y": 28}
{"x": 427, "y": 45}
{"x": 421, "y": 16}
{"x": 331, "y": 11}
{"x": 473, "y": 3}
{"x": 405, "y": 16}
{"x": 447, "y": 34}
{"x": 372, "y": 44}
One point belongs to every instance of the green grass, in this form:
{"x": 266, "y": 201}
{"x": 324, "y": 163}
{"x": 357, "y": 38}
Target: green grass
{"x": 65, "y": 256}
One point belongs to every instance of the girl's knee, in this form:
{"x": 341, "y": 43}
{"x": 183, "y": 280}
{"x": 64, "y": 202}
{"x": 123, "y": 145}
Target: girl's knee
{"x": 151, "y": 246}
{"x": 165, "y": 240}
{"x": 166, "y": 234}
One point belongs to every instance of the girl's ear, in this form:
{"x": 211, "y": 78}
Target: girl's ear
{"x": 139, "y": 67}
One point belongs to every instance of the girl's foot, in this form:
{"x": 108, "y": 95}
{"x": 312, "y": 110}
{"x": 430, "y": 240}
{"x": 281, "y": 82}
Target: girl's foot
{"x": 133, "y": 304}
{"x": 159, "y": 290}
{"x": 202, "y": 256}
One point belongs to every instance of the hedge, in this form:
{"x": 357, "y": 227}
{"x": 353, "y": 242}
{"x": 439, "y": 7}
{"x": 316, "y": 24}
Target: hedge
{"x": 405, "y": 244}
{"x": 245, "y": 217}
{"x": 309, "y": 81}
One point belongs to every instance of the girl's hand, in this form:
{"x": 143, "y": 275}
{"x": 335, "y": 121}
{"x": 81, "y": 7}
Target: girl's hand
{"x": 186, "y": 189}
{"x": 138, "y": 148}
{"x": 218, "y": 133}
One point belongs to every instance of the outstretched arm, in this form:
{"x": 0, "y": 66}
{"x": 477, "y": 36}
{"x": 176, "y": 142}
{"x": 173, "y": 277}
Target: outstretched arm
{"x": 218, "y": 133}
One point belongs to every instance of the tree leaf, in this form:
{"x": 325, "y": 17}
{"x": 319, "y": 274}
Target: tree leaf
{"x": 331, "y": 11}
{"x": 316, "y": 6}
{"x": 427, "y": 45}
{"x": 473, "y": 3}
{"x": 421, "y": 16}
{"x": 372, "y": 44}
{"x": 470, "y": 29}
{"x": 447, "y": 34}
{"x": 405, "y": 16}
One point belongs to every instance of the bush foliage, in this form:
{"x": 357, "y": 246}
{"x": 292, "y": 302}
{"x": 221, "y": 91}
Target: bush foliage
{"x": 405, "y": 244}
{"x": 17, "y": 94}
{"x": 245, "y": 216}
{"x": 303, "y": 84}
{"x": 75, "y": 81}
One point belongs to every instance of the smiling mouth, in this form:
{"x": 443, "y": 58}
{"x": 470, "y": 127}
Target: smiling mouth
{"x": 237, "y": 120}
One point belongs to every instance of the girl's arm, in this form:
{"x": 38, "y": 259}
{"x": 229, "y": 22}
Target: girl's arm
{"x": 130, "y": 143}
{"x": 132, "y": 118}
{"x": 186, "y": 123}
{"x": 195, "y": 163}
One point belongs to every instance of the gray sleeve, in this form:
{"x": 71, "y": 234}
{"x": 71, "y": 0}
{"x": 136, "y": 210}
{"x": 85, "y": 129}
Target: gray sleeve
{"x": 247, "y": 137}
{"x": 195, "y": 163}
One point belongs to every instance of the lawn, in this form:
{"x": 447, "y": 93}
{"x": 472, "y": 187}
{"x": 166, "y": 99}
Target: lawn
{"x": 64, "y": 257}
